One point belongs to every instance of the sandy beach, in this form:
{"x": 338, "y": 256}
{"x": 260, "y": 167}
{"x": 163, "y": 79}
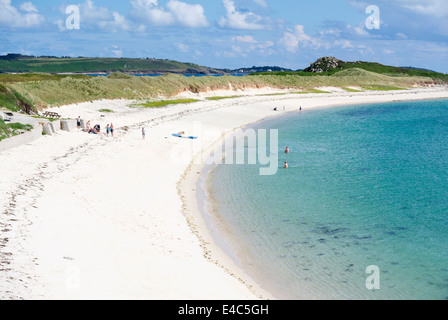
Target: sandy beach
{"x": 100, "y": 217}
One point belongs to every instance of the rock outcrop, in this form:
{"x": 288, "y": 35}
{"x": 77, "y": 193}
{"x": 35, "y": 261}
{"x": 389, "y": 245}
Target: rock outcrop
{"x": 325, "y": 64}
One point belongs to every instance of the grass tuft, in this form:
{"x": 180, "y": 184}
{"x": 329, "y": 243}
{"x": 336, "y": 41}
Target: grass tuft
{"x": 163, "y": 103}
{"x": 12, "y": 129}
{"x": 223, "y": 97}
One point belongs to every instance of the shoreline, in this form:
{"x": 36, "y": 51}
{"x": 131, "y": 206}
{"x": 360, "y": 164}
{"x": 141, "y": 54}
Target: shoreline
{"x": 225, "y": 257}
{"x": 107, "y": 218}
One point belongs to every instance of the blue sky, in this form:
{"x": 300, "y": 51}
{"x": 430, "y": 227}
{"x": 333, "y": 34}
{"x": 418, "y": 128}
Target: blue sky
{"x": 232, "y": 33}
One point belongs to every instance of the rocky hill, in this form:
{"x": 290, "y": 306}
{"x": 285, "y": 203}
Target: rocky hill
{"x": 325, "y": 64}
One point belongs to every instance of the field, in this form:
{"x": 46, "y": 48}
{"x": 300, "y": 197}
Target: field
{"x": 24, "y": 64}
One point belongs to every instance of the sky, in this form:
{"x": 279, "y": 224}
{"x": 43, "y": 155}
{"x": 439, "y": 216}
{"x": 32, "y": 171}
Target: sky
{"x": 232, "y": 33}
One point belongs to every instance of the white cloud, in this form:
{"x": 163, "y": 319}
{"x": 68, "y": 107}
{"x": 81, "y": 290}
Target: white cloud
{"x": 360, "y": 31}
{"x": 189, "y": 15}
{"x": 93, "y": 17}
{"x": 117, "y": 51}
{"x": 247, "y": 39}
{"x": 27, "y": 17}
{"x": 176, "y": 13}
{"x": 148, "y": 11}
{"x": 293, "y": 38}
{"x": 238, "y": 19}
{"x": 183, "y": 47}
{"x": 247, "y": 45}
{"x": 118, "y": 23}
{"x": 244, "y": 47}
{"x": 261, "y": 3}
{"x": 60, "y": 24}
{"x": 436, "y": 8}
{"x": 28, "y": 7}
{"x": 343, "y": 43}
{"x": 92, "y": 14}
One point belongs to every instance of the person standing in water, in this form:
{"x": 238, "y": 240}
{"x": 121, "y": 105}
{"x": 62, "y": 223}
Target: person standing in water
{"x": 286, "y": 164}
{"x": 287, "y": 150}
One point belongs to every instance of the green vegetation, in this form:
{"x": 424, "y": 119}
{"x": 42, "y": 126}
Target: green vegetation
{"x": 12, "y": 129}
{"x": 163, "y": 103}
{"x": 30, "y": 77}
{"x": 32, "y": 95}
{"x": 351, "y": 90}
{"x": 106, "y": 110}
{"x": 28, "y": 64}
{"x": 394, "y": 71}
{"x": 32, "y": 92}
{"x": 222, "y": 97}
{"x": 119, "y": 75}
{"x": 382, "y": 88}
{"x": 366, "y": 66}
{"x": 13, "y": 100}
{"x": 46, "y": 118}
{"x": 313, "y": 91}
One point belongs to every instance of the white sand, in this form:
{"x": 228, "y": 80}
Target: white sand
{"x": 95, "y": 217}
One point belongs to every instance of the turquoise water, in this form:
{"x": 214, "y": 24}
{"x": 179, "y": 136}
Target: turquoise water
{"x": 366, "y": 185}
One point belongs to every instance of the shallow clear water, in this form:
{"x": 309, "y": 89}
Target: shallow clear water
{"x": 366, "y": 185}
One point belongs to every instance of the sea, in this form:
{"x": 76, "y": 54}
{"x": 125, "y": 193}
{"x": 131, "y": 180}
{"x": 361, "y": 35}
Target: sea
{"x": 360, "y": 214}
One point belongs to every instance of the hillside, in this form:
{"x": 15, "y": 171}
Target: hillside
{"x": 327, "y": 66}
{"x": 15, "y": 63}
{"x": 35, "y": 91}
{"x": 30, "y": 96}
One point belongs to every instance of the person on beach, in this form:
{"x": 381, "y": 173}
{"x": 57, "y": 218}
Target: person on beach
{"x": 286, "y": 164}
{"x": 143, "y": 133}
{"x": 88, "y": 126}
{"x": 112, "y": 129}
{"x": 78, "y": 122}
{"x": 97, "y": 129}
{"x": 107, "y": 130}
{"x": 287, "y": 150}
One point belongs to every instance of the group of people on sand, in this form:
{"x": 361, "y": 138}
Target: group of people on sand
{"x": 96, "y": 129}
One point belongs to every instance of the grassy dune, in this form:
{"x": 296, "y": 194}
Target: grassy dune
{"x": 41, "y": 91}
